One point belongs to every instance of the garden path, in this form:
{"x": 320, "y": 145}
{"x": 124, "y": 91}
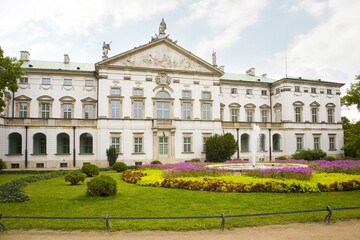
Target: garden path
{"x": 340, "y": 230}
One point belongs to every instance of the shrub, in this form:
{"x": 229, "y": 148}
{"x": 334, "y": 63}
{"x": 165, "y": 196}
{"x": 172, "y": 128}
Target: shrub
{"x": 90, "y": 170}
{"x": 112, "y": 155}
{"x": 310, "y": 155}
{"x": 119, "y": 166}
{"x": 329, "y": 158}
{"x": 2, "y": 164}
{"x": 156, "y": 162}
{"x": 101, "y": 186}
{"x": 74, "y": 177}
{"x": 281, "y": 158}
{"x": 195, "y": 160}
{"x": 220, "y": 148}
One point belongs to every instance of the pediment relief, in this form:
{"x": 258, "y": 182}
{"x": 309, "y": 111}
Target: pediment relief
{"x": 235, "y": 105}
{"x": 314, "y": 104}
{"x": 45, "y": 98}
{"x": 298, "y": 103}
{"x": 330, "y": 105}
{"x": 264, "y": 106}
{"x": 162, "y": 55}
{"x": 22, "y": 98}
{"x": 277, "y": 105}
{"x": 249, "y": 105}
{"x": 88, "y": 99}
{"x": 67, "y": 99}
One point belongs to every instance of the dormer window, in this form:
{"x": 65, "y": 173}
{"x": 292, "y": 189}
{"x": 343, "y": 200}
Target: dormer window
{"x": 297, "y": 88}
{"x": 89, "y": 83}
{"x": 329, "y": 91}
{"x": 277, "y": 91}
{"x": 24, "y": 80}
{"x": 67, "y": 82}
{"x": 45, "y": 81}
{"x": 313, "y": 90}
{"x": 249, "y": 91}
{"x": 234, "y": 90}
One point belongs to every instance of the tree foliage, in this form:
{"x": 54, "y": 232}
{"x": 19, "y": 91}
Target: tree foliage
{"x": 112, "y": 155}
{"x": 10, "y": 70}
{"x": 220, "y": 148}
{"x": 352, "y": 96}
{"x": 351, "y": 138}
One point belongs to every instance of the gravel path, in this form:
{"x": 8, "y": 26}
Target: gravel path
{"x": 340, "y": 230}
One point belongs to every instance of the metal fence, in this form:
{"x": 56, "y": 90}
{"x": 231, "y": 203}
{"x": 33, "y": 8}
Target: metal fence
{"x": 222, "y": 216}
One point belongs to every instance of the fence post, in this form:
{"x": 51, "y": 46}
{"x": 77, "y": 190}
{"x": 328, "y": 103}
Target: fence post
{"x": 223, "y": 222}
{"x": 328, "y": 217}
{"x": 107, "y": 223}
{"x": 2, "y": 228}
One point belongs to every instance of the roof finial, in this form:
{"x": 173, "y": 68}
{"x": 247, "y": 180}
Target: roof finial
{"x": 214, "y": 58}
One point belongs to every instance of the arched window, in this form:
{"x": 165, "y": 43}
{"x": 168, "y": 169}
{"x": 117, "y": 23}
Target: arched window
{"x": 245, "y": 142}
{"x": 39, "y": 143}
{"x": 86, "y": 143}
{"x": 63, "y": 143}
{"x": 262, "y": 142}
{"x": 15, "y": 143}
{"x": 162, "y": 94}
{"x": 276, "y": 142}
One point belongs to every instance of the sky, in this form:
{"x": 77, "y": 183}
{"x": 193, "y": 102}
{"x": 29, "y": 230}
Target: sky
{"x": 318, "y": 38}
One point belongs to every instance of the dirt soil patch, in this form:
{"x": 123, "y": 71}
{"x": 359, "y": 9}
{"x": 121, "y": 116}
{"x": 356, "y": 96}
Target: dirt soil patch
{"x": 339, "y": 230}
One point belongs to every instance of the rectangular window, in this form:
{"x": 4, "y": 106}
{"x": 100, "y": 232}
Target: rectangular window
{"x": 23, "y": 107}
{"x": 67, "y": 110}
{"x": 249, "y": 91}
{"x": 264, "y": 115}
{"x": 206, "y": 111}
{"x": 313, "y": 90}
{"x": 89, "y": 111}
{"x": 299, "y": 143}
{"x": 63, "y": 165}
{"x": 249, "y": 114}
{"x": 138, "y": 92}
{"x": 187, "y": 144}
{"x": 115, "y": 91}
{"x": 138, "y": 148}
{"x": 330, "y": 115}
{"x": 316, "y": 143}
{"x": 89, "y": 83}
{"x": 15, "y": 165}
{"x": 331, "y": 143}
{"x": 297, "y": 114}
{"x": 39, "y": 165}
{"x": 234, "y": 115}
{"x": 163, "y": 145}
{"x": 67, "y": 82}
{"x": 263, "y": 92}
{"x": 186, "y": 110}
{"x": 45, "y": 110}
{"x": 138, "y": 109}
{"x": 115, "y": 108}
{"x": 24, "y": 80}
{"x": 204, "y": 143}
{"x": 115, "y": 142}
{"x": 234, "y": 90}
{"x": 138, "y": 164}
{"x": 163, "y": 110}
{"x": 314, "y": 115}
{"x": 297, "y": 88}
{"x": 206, "y": 95}
{"x": 186, "y": 94}
{"x": 277, "y": 91}
{"x": 329, "y": 91}
{"x": 45, "y": 81}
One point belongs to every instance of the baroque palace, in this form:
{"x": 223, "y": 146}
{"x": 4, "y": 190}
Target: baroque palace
{"x": 160, "y": 102}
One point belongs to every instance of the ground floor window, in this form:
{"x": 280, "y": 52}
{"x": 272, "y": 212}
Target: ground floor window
{"x": 163, "y": 145}
{"x": 115, "y": 142}
{"x": 138, "y": 145}
{"x": 86, "y": 143}
{"x": 299, "y": 143}
{"x": 40, "y": 165}
{"x": 15, "y": 143}
{"x": 63, "y": 165}
{"x": 39, "y": 143}
{"x": 63, "y": 143}
{"x": 15, "y": 165}
{"x": 187, "y": 144}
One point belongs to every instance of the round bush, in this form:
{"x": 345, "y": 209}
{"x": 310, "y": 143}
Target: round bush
{"x": 281, "y": 158}
{"x": 195, "y": 160}
{"x": 329, "y": 158}
{"x": 90, "y": 170}
{"x": 74, "y": 177}
{"x": 2, "y": 164}
{"x": 156, "y": 162}
{"x": 101, "y": 186}
{"x": 119, "y": 166}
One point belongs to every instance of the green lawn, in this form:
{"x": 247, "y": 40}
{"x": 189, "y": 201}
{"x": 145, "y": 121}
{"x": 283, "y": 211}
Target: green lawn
{"x": 54, "y": 197}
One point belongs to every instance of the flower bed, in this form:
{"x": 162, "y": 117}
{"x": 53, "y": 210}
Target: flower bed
{"x": 236, "y": 161}
{"x": 298, "y": 173}
{"x": 191, "y": 170}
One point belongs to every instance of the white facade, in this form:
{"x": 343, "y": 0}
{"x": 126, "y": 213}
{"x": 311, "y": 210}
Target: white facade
{"x": 159, "y": 102}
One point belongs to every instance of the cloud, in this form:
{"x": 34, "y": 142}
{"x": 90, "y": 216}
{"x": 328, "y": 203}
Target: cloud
{"x": 313, "y": 7}
{"x": 227, "y": 19}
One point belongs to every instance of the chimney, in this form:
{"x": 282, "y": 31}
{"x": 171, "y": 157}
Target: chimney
{"x": 222, "y": 68}
{"x": 251, "y": 72}
{"x": 264, "y": 75}
{"x": 24, "y": 55}
{"x": 66, "y": 58}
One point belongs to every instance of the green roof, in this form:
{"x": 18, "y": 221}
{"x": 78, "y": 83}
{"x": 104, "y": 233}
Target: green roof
{"x": 49, "y": 65}
{"x": 246, "y": 78}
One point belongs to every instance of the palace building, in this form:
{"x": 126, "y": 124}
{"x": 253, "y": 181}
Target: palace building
{"x": 160, "y": 102}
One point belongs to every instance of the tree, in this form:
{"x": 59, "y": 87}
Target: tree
{"x": 351, "y": 138}
{"x": 112, "y": 155}
{"x": 220, "y": 148}
{"x": 10, "y": 70}
{"x": 353, "y": 94}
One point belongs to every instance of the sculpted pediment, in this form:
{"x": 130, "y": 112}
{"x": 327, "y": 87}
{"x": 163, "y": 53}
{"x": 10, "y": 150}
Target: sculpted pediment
{"x": 161, "y": 54}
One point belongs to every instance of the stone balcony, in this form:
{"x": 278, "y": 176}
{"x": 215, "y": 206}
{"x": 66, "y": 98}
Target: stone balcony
{"x": 163, "y": 123}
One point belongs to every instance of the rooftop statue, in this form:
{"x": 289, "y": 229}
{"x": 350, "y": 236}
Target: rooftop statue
{"x": 162, "y": 27}
{"x": 214, "y": 58}
{"x": 106, "y": 48}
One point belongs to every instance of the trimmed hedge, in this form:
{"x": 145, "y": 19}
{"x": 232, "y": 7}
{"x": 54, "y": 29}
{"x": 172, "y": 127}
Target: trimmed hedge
{"x": 12, "y": 191}
{"x": 195, "y": 160}
{"x": 329, "y": 158}
{"x": 101, "y": 186}
{"x": 119, "y": 166}
{"x": 2, "y": 164}
{"x": 156, "y": 162}
{"x": 74, "y": 177}
{"x": 90, "y": 170}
